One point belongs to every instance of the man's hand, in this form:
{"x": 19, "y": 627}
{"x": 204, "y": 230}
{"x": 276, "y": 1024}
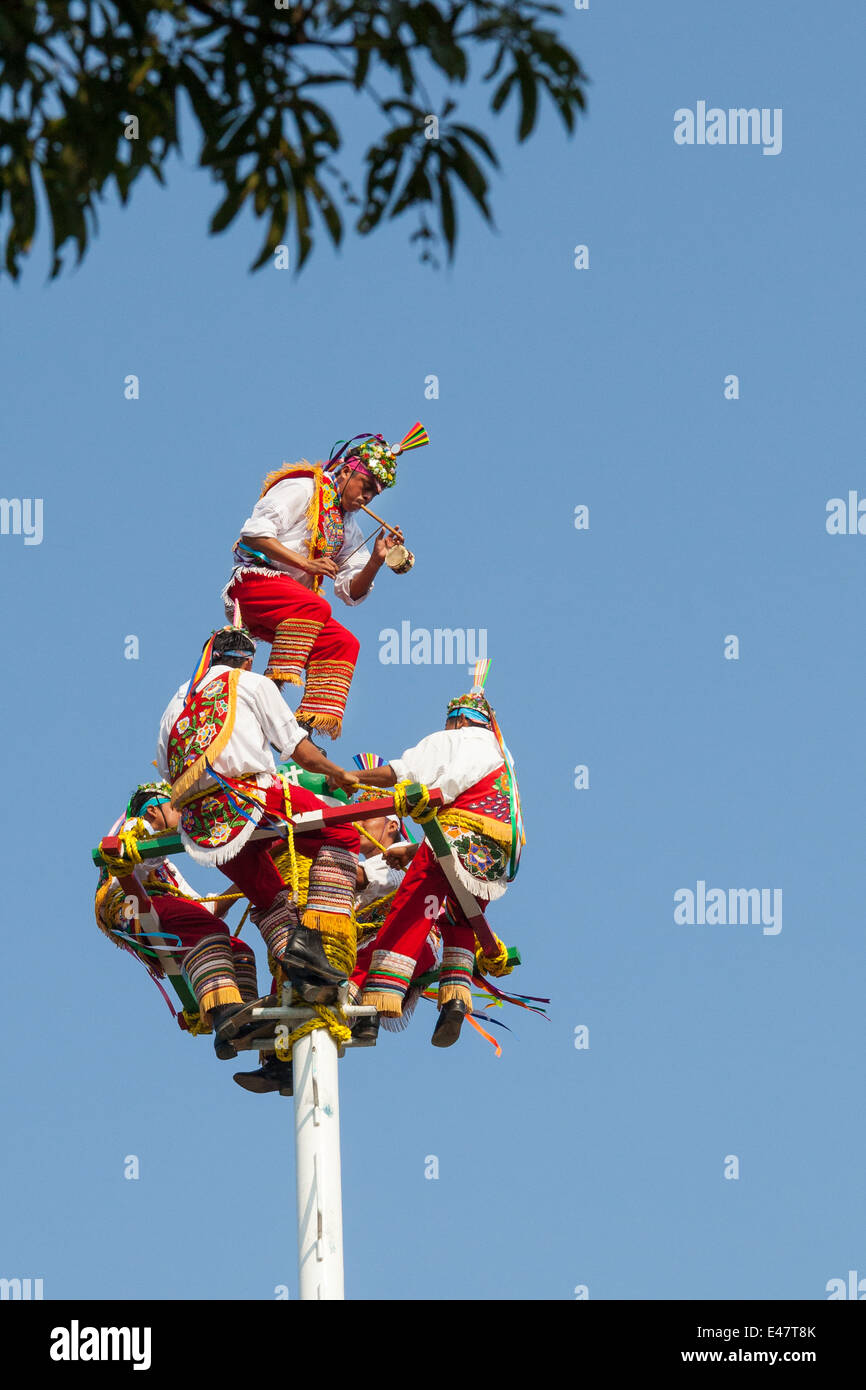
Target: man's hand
{"x": 384, "y": 542}
{"x": 400, "y": 856}
{"x": 326, "y": 567}
{"x": 345, "y": 780}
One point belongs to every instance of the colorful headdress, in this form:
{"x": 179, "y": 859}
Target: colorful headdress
{"x": 145, "y": 795}
{"x": 474, "y": 705}
{"x": 246, "y": 647}
{"x": 477, "y": 709}
{"x": 375, "y": 456}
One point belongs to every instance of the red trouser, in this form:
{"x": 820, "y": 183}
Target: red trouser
{"x": 307, "y": 643}
{"x": 189, "y": 921}
{"x": 399, "y": 946}
{"x": 253, "y": 869}
{"x": 220, "y": 967}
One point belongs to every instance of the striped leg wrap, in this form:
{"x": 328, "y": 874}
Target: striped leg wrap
{"x": 208, "y": 967}
{"x": 455, "y": 977}
{"x": 329, "y": 905}
{"x": 276, "y": 922}
{"x": 245, "y": 973}
{"x": 324, "y": 700}
{"x": 293, "y": 641}
{"x": 332, "y": 881}
{"x": 387, "y": 982}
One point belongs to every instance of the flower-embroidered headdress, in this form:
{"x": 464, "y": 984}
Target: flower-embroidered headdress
{"x": 374, "y": 456}
{"x": 147, "y": 794}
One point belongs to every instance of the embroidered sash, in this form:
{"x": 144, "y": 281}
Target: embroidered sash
{"x": 478, "y": 826}
{"x": 201, "y": 731}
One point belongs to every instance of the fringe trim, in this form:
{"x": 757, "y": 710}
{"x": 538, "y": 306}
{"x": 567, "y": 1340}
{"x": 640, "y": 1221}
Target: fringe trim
{"x": 479, "y": 886}
{"x": 455, "y": 991}
{"x": 334, "y": 923}
{"x": 470, "y": 820}
{"x": 187, "y": 779}
{"x": 388, "y": 1005}
{"x": 401, "y": 1022}
{"x": 220, "y": 854}
{"x": 285, "y": 673}
{"x": 238, "y": 573}
{"x": 330, "y": 724}
{"x": 229, "y": 994}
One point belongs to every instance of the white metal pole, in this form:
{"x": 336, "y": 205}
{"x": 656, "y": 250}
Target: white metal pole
{"x": 317, "y": 1154}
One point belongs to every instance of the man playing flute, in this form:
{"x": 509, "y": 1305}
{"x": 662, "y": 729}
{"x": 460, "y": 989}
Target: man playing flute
{"x": 303, "y": 530}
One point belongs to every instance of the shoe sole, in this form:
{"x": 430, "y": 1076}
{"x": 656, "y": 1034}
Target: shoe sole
{"x": 257, "y": 1085}
{"x": 448, "y": 1032}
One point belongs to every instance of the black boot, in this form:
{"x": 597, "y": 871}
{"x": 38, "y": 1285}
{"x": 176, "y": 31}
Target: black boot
{"x": 365, "y": 1030}
{"x": 449, "y": 1023}
{"x": 312, "y": 974}
{"x": 230, "y": 1022}
{"x": 272, "y": 1075}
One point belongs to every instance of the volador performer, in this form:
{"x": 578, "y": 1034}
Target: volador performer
{"x": 471, "y": 765}
{"x": 215, "y": 743}
{"x": 220, "y": 968}
{"x": 301, "y": 531}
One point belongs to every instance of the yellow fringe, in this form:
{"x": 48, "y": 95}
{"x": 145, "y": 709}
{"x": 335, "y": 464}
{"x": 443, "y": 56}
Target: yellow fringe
{"x": 274, "y": 673}
{"x": 455, "y": 991}
{"x": 332, "y": 924}
{"x": 387, "y": 1004}
{"x": 190, "y": 776}
{"x": 229, "y": 994}
{"x": 468, "y": 820}
{"x": 330, "y": 724}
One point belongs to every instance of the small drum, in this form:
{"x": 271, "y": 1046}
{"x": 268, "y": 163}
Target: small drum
{"x": 399, "y": 559}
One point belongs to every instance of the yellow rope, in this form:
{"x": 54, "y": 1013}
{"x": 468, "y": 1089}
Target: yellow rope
{"x": 497, "y": 964}
{"x": 325, "y": 1018}
{"x": 422, "y": 810}
{"x": 194, "y": 1023}
{"x": 359, "y": 826}
{"x": 121, "y": 865}
{"x": 290, "y": 840}
{"x": 211, "y": 897}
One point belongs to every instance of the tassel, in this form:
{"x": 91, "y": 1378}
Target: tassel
{"x": 416, "y": 437}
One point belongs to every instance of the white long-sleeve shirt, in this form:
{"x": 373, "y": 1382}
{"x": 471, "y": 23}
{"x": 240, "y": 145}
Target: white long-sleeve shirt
{"x": 281, "y": 516}
{"x": 262, "y": 720}
{"x": 452, "y": 760}
{"x": 381, "y": 879}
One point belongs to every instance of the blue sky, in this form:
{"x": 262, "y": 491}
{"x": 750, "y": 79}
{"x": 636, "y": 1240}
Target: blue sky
{"x": 558, "y": 1167}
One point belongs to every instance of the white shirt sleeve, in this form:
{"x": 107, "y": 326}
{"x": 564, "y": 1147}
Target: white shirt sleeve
{"x": 279, "y": 725}
{"x": 169, "y": 719}
{"x": 282, "y": 509}
{"x": 380, "y": 880}
{"x": 347, "y": 569}
{"x": 452, "y": 760}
